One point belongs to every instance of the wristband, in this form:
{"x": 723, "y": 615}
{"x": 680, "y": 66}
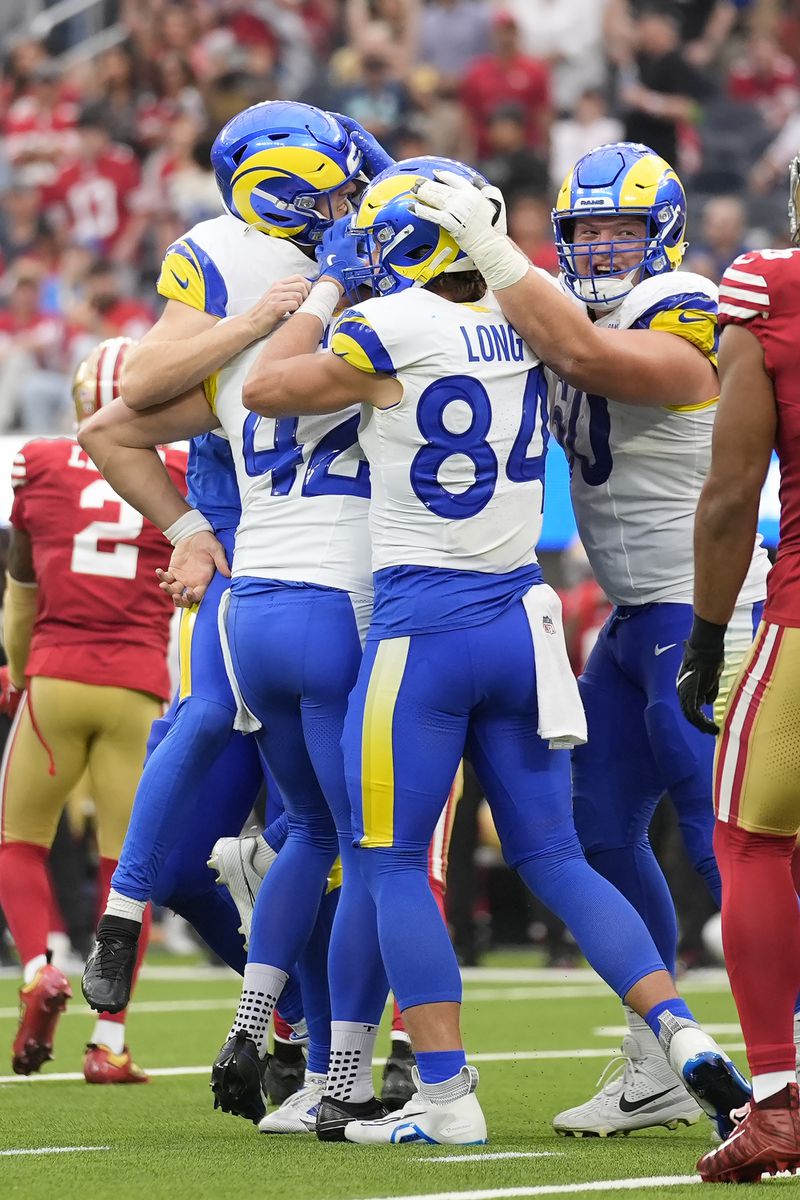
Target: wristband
{"x": 706, "y": 637}
{"x": 499, "y": 261}
{"x": 191, "y": 522}
{"x": 321, "y": 302}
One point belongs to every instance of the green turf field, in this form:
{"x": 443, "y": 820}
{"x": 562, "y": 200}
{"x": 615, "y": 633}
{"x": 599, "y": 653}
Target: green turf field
{"x": 540, "y": 1040}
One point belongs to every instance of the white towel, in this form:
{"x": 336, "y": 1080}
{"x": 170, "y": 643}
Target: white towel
{"x": 562, "y": 720}
{"x": 245, "y": 721}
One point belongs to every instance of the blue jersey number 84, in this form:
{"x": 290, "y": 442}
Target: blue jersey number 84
{"x": 472, "y": 443}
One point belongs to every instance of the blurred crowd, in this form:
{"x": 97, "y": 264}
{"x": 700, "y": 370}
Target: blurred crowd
{"x": 104, "y": 158}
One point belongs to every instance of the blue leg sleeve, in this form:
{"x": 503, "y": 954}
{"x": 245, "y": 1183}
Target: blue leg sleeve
{"x": 313, "y": 975}
{"x": 167, "y": 794}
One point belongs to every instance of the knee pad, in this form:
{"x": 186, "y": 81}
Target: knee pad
{"x": 205, "y": 724}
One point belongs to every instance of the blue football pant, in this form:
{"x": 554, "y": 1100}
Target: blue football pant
{"x": 296, "y": 653}
{"x": 641, "y": 746}
{"x": 420, "y": 702}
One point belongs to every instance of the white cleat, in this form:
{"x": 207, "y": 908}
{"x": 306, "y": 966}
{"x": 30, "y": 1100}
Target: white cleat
{"x": 234, "y": 860}
{"x": 641, "y": 1093}
{"x": 298, "y": 1114}
{"x": 453, "y": 1118}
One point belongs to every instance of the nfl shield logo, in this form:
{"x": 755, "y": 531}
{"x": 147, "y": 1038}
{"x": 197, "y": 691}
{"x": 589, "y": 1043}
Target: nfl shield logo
{"x": 547, "y": 624}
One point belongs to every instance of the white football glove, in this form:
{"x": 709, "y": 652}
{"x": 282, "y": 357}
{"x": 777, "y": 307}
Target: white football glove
{"x": 473, "y": 216}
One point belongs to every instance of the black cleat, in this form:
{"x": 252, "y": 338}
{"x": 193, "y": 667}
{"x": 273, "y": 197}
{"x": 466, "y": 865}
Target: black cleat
{"x": 237, "y": 1078}
{"x": 334, "y": 1115}
{"x": 398, "y": 1086}
{"x": 108, "y": 974}
{"x": 283, "y": 1079}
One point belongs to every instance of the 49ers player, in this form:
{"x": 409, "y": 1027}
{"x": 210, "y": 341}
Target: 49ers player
{"x": 757, "y": 767}
{"x": 86, "y": 632}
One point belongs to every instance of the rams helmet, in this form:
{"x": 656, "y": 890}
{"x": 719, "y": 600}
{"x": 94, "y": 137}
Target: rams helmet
{"x": 274, "y": 161}
{"x": 401, "y": 249}
{"x": 96, "y": 380}
{"x": 620, "y": 179}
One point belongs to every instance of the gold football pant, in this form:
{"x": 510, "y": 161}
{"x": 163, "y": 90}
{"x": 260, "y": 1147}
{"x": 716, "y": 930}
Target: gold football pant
{"x": 63, "y": 729}
{"x": 757, "y": 764}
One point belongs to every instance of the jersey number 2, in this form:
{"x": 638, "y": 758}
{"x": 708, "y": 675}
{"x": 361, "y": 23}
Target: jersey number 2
{"x": 118, "y": 561}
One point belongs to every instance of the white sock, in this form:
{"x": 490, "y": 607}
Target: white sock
{"x": 399, "y": 1035}
{"x": 32, "y": 966}
{"x": 118, "y": 905}
{"x": 350, "y": 1065}
{"x": 771, "y": 1082}
{"x": 263, "y": 856}
{"x": 260, "y": 993}
{"x": 109, "y": 1033}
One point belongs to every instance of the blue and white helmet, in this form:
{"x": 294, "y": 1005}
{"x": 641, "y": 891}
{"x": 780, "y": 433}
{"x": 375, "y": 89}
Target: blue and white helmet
{"x": 619, "y": 179}
{"x": 274, "y": 161}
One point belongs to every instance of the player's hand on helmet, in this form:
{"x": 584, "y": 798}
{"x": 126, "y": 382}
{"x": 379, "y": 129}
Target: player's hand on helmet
{"x": 376, "y": 158}
{"x": 466, "y": 210}
{"x": 336, "y": 253}
{"x": 278, "y": 301}
{"x": 10, "y": 695}
{"x": 700, "y": 671}
{"x": 194, "y": 562}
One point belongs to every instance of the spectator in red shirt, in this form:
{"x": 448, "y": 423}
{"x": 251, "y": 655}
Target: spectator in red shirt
{"x": 34, "y": 392}
{"x": 105, "y": 311}
{"x": 765, "y": 77}
{"x": 507, "y": 76}
{"x": 530, "y": 227}
{"x": 39, "y": 127}
{"x": 94, "y": 193}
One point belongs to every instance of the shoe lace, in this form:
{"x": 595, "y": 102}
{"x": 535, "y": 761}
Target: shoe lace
{"x": 612, "y": 1077}
{"x": 110, "y": 963}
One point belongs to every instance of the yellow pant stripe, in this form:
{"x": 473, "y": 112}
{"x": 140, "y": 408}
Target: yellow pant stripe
{"x": 188, "y": 617}
{"x": 377, "y": 757}
{"x": 335, "y": 877}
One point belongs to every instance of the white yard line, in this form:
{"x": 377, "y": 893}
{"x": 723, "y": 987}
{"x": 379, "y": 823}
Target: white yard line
{"x": 53, "y": 1150}
{"x": 730, "y": 1029}
{"x": 489, "y": 1057}
{"x": 478, "y": 1156}
{"x": 560, "y": 1189}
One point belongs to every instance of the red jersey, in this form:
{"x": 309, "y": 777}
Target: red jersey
{"x": 102, "y": 618}
{"x": 761, "y": 290}
{"x": 490, "y": 83}
{"x": 96, "y": 196}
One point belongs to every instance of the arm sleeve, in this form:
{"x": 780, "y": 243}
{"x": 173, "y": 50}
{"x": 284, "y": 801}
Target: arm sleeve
{"x": 190, "y": 275}
{"x": 357, "y": 341}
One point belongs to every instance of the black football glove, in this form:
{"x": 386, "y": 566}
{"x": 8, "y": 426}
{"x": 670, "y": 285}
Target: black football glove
{"x": 699, "y": 674}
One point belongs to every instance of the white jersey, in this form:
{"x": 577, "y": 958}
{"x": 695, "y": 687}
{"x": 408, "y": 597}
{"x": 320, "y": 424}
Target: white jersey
{"x": 304, "y": 486}
{"x": 637, "y": 471}
{"x": 223, "y": 266}
{"x": 303, "y": 483}
{"x": 457, "y": 464}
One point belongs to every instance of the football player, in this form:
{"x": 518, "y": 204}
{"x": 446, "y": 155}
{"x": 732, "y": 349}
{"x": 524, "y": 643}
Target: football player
{"x": 630, "y": 342}
{"x": 757, "y": 769}
{"x": 301, "y": 595}
{"x": 250, "y": 266}
{"x": 86, "y": 635}
{"x": 465, "y": 646}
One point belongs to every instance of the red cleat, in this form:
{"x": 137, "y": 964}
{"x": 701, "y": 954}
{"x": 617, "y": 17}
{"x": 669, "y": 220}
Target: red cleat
{"x": 41, "y": 1003}
{"x": 101, "y": 1065}
{"x": 766, "y": 1141}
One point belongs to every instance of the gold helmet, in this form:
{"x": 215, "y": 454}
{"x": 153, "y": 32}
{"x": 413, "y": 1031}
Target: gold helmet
{"x": 96, "y": 381}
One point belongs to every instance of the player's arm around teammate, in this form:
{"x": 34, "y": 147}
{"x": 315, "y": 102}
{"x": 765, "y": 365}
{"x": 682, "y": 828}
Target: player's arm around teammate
{"x": 122, "y": 444}
{"x": 631, "y": 366}
{"x": 187, "y": 345}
